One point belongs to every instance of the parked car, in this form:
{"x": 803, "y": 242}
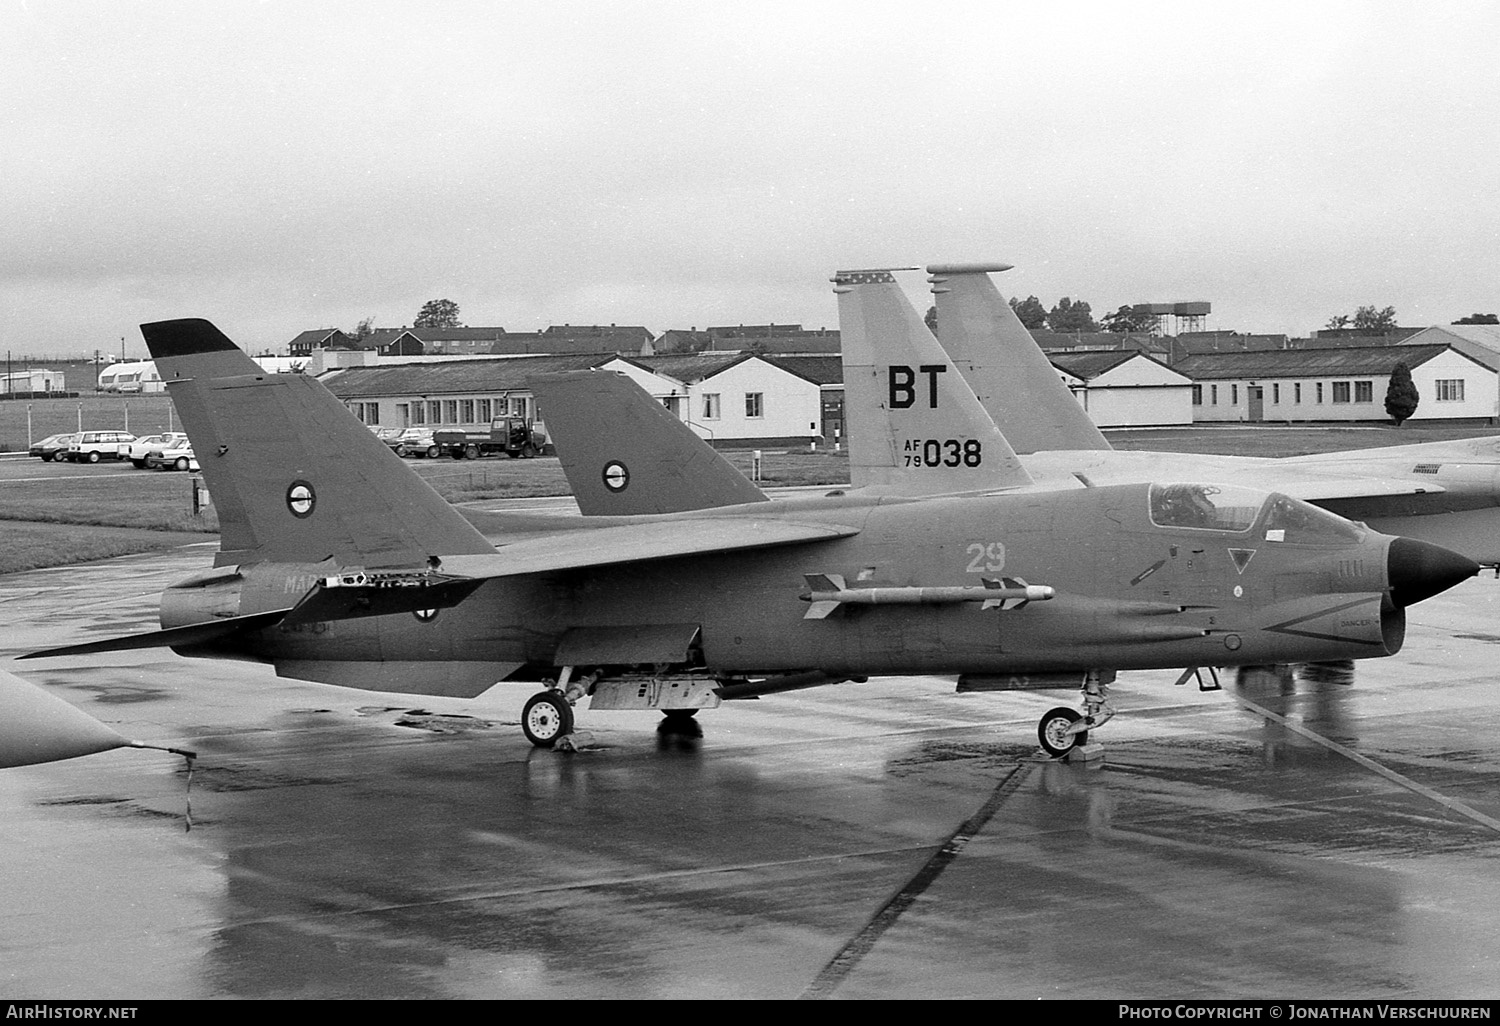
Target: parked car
{"x": 92, "y": 446}
{"x": 53, "y": 447}
{"x": 416, "y": 442}
{"x": 176, "y": 457}
{"x": 388, "y": 435}
{"x": 137, "y": 450}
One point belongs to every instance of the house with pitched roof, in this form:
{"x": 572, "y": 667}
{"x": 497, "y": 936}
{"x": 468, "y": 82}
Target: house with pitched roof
{"x": 1126, "y": 388}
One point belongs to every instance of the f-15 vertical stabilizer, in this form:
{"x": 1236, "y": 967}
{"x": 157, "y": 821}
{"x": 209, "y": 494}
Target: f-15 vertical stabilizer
{"x": 624, "y": 453}
{"x": 295, "y": 478}
{"x": 915, "y": 427}
{"x": 1010, "y": 375}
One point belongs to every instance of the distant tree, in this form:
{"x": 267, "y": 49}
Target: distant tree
{"x": 1070, "y": 316}
{"x": 931, "y": 319}
{"x": 1126, "y": 319}
{"x": 1030, "y": 311}
{"x": 1479, "y": 319}
{"x": 365, "y": 328}
{"x": 1367, "y": 318}
{"x": 437, "y": 313}
{"x": 1341, "y": 321}
{"x": 1401, "y": 396}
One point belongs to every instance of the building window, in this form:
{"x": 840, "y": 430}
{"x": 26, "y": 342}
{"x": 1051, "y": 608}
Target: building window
{"x": 419, "y": 413}
{"x": 1234, "y": 395}
{"x": 466, "y": 410}
{"x": 484, "y": 411}
{"x": 450, "y": 411}
{"x": 755, "y": 404}
{"x": 372, "y": 413}
{"x": 1364, "y": 391}
{"x": 1297, "y": 392}
{"x": 1275, "y": 395}
{"x": 1341, "y": 391}
{"x": 1320, "y": 392}
{"x": 1450, "y": 390}
{"x": 711, "y": 406}
{"x": 1213, "y": 395}
{"x": 1197, "y": 395}
{"x": 434, "y": 411}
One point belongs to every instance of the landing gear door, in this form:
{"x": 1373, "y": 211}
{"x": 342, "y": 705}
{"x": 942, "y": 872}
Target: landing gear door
{"x": 671, "y": 644}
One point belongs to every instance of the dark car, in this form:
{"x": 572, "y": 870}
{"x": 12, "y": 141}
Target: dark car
{"x": 53, "y": 447}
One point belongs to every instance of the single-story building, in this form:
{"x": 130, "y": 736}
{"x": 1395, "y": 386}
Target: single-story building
{"x": 1126, "y": 388}
{"x": 729, "y": 399}
{"x": 1338, "y": 385}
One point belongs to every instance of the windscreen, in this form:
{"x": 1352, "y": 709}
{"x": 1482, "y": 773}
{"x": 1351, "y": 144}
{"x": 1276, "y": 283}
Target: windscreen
{"x": 1291, "y": 520}
{"x": 1205, "y": 507}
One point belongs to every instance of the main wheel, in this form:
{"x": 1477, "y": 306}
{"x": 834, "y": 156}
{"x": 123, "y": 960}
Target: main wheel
{"x": 1052, "y": 731}
{"x": 94, "y": 457}
{"x": 182, "y": 463}
{"x": 471, "y": 452}
{"x": 433, "y": 452}
{"x": 546, "y": 717}
{"x": 679, "y": 715}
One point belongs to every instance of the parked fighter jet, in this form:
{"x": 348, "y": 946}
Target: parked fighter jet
{"x": 339, "y": 564}
{"x": 1447, "y": 493}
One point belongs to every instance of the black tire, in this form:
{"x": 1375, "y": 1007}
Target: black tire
{"x": 181, "y": 464}
{"x": 471, "y": 452}
{"x": 546, "y": 717}
{"x": 48, "y": 457}
{"x": 433, "y": 452}
{"x": 139, "y": 464}
{"x": 94, "y": 457}
{"x": 1050, "y": 731}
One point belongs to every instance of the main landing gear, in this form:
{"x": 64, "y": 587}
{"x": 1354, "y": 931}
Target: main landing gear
{"x": 1063, "y": 730}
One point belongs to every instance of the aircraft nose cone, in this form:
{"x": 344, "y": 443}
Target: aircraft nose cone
{"x": 1418, "y": 570}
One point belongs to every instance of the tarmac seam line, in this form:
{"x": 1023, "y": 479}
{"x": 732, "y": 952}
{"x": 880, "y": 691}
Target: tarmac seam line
{"x": 838, "y": 967}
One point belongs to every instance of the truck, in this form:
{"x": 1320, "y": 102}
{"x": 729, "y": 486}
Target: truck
{"x": 516, "y": 437}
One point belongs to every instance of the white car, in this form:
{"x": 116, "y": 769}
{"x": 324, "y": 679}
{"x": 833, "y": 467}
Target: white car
{"x": 91, "y": 446}
{"x": 137, "y": 450}
{"x": 176, "y": 457}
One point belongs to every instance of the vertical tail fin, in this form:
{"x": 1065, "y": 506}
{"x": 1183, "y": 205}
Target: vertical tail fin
{"x": 624, "y": 453}
{"x": 915, "y": 426}
{"x": 1009, "y": 373}
{"x": 293, "y": 475}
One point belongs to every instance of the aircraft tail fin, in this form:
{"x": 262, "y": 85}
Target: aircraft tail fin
{"x": 293, "y": 475}
{"x": 917, "y": 427}
{"x": 1009, "y": 373}
{"x": 624, "y": 453}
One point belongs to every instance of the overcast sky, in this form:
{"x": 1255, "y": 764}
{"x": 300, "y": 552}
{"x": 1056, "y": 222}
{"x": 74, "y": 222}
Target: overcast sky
{"x": 278, "y": 166}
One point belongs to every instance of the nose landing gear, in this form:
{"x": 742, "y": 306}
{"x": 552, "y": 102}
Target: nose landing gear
{"x": 1062, "y": 730}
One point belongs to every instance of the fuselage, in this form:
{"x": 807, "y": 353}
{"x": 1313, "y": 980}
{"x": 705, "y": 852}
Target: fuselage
{"x": 1135, "y": 586}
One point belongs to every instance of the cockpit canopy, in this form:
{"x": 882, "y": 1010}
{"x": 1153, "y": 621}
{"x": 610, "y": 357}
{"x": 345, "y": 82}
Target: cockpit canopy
{"x": 1236, "y": 510}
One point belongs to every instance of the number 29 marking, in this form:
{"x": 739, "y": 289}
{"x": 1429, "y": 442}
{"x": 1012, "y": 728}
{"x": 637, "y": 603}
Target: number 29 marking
{"x": 988, "y": 559}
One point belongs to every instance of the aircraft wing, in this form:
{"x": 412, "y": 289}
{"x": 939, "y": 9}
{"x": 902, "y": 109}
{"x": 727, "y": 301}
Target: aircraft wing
{"x": 377, "y": 593}
{"x": 1318, "y": 490}
{"x": 633, "y": 543}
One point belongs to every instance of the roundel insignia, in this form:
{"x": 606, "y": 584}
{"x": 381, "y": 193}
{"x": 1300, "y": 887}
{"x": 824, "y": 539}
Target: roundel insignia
{"x": 301, "y": 499}
{"x": 616, "y": 476}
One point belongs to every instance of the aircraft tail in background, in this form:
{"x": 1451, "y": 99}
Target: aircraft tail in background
{"x": 294, "y": 476}
{"x": 1010, "y": 375}
{"x": 624, "y": 453}
{"x": 915, "y": 426}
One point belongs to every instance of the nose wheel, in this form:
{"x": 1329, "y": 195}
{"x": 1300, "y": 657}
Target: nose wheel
{"x": 1053, "y": 731}
{"x": 546, "y": 717}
